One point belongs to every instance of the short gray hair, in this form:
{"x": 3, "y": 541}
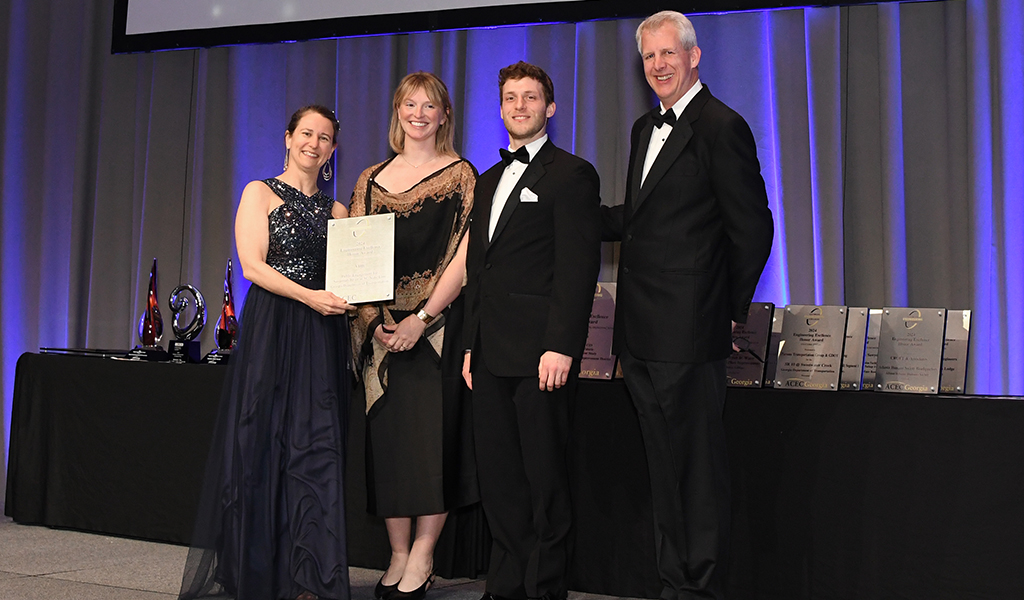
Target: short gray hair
{"x": 683, "y": 26}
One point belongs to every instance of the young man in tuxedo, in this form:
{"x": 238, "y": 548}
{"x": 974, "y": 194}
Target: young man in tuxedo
{"x": 534, "y": 255}
{"x": 696, "y": 232}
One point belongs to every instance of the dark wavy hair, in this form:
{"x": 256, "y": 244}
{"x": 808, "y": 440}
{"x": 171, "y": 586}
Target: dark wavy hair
{"x": 323, "y": 111}
{"x": 522, "y": 70}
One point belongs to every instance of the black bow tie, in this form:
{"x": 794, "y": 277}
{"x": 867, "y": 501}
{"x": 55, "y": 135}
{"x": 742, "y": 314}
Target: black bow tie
{"x": 661, "y": 119}
{"x": 522, "y": 155}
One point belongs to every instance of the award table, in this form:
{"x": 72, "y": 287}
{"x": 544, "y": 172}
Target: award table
{"x": 835, "y": 494}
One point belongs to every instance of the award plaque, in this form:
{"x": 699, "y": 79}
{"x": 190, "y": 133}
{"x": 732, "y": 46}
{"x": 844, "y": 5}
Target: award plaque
{"x": 745, "y": 367}
{"x": 771, "y": 362}
{"x": 185, "y": 347}
{"x": 954, "y": 354}
{"x": 871, "y": 348}
{"x": 811, "y": 350}
{"x": 361, "y": 258}
{"x": 852, "y": 375}
{"x": 151, "y": 327}
{"x": 598, "y": 361}
{"x": 910, "y": 350}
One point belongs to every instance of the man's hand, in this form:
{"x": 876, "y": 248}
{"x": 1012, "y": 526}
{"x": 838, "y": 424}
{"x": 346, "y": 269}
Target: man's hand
{"x": 553, "y": 370}
{"x": 465, "y": 371}
{"x": 735, "y": 348}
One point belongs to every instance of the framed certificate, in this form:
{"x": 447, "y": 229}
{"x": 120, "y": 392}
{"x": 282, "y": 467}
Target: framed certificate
{"x": 361, "y": 258}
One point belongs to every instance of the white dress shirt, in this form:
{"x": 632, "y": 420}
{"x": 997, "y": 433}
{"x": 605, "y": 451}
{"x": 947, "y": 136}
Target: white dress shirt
{"x": 661, "y": 133}
{"x": 509, "y": 179}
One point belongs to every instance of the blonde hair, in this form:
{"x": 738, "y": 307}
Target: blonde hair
{"x": 437, "y": 92}
{"x": 683, "y": 26}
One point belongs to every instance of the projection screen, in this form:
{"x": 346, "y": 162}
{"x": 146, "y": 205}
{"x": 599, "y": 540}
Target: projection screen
{"x": 148, "y": 25}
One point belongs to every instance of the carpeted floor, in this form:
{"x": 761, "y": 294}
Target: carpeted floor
{"x": 39, "y": 563}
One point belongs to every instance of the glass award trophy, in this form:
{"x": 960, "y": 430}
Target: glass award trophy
{"x": 185, "y": 347}
{"x": 151, "y": 327}
{"x": 227, "y": 325}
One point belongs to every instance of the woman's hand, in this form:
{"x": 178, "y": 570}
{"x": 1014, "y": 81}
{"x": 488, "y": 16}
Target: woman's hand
{"x": 326, "y": 303}
{"x": 382, "y": 335}
{"x": 406, "y": 334}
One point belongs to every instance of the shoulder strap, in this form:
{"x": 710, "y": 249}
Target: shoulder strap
{"x": 369, "y": 182}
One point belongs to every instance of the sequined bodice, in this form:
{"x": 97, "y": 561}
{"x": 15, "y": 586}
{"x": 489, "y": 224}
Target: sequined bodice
{"x": 298, "y": 234}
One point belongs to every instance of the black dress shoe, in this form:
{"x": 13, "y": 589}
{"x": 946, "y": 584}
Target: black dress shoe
{"x": 383, "y": 592}
{"x": 417, "y": 594}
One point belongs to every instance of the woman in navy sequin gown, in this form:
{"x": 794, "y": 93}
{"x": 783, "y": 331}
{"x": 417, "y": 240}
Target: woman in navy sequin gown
{"x": 271, "y": 518}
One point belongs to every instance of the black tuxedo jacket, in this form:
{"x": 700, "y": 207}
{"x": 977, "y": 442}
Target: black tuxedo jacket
{"x": 531, "y": 287}
{"x": 695, "y": 237}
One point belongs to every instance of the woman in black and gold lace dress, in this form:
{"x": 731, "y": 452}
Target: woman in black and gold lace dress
{"x": 419, "y": 457}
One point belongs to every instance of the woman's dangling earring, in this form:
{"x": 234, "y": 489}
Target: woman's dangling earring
{"x": 327, "y": 172}
{"x": 286, "y": 159}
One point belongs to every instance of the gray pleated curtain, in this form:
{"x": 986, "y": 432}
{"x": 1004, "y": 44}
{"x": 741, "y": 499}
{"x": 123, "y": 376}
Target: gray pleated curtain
{"x": 891, "y": 139}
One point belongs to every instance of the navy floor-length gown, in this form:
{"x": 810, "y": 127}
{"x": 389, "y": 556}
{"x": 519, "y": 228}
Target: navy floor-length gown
{"x": 271, "y": 518}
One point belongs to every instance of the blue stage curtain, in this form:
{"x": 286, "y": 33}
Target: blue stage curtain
{"x": 891, "y": 139}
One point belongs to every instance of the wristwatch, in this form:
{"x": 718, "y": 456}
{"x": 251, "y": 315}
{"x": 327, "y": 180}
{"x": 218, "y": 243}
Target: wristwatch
{"x": 423, "y": 316}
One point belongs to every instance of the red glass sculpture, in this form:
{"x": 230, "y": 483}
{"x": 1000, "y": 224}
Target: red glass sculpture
{"x": 151, "y": 325}
{"x": 227, "y": 324}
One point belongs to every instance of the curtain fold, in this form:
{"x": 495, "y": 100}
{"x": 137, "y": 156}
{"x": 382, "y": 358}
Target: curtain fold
{"x": 891, "y": 140}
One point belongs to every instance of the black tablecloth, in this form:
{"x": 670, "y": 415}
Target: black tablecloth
{"x": 110, "y": 446}
{"x": 876, "y": 495}
{"x": 836, "y": 494}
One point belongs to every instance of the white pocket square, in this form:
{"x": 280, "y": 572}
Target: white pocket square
{"x": 527, "y": 195}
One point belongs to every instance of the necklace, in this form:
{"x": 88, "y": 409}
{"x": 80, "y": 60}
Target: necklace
{"x": 402, "y": 156}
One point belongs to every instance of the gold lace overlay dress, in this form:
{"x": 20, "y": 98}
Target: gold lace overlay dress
{"x": 419, "y": 455}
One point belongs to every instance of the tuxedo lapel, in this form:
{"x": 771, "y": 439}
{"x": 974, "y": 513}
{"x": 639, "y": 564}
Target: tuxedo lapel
{"x": 677, "y": 140}
{"x": 638, "y": 165}
{"x": 534, "y": 171}
{"x": 485, "y": 187}
{"x": 681, "y": 134}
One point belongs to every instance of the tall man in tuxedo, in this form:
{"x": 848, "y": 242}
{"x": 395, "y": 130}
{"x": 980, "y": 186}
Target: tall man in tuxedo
{"x": 534, "y": 255}
{"x": 696, "y": 232}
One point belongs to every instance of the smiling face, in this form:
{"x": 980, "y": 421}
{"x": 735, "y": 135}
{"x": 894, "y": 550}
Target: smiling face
{"x": 311, "y": 143}
{"x": 524, "y": 110}
{"x": 420, "y": 117}
{"x": 670, "y": 70}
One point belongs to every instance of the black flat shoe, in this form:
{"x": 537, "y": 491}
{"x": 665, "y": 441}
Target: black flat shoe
{"x": 384, "y": 592}
{"x": 417, "y": 594}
